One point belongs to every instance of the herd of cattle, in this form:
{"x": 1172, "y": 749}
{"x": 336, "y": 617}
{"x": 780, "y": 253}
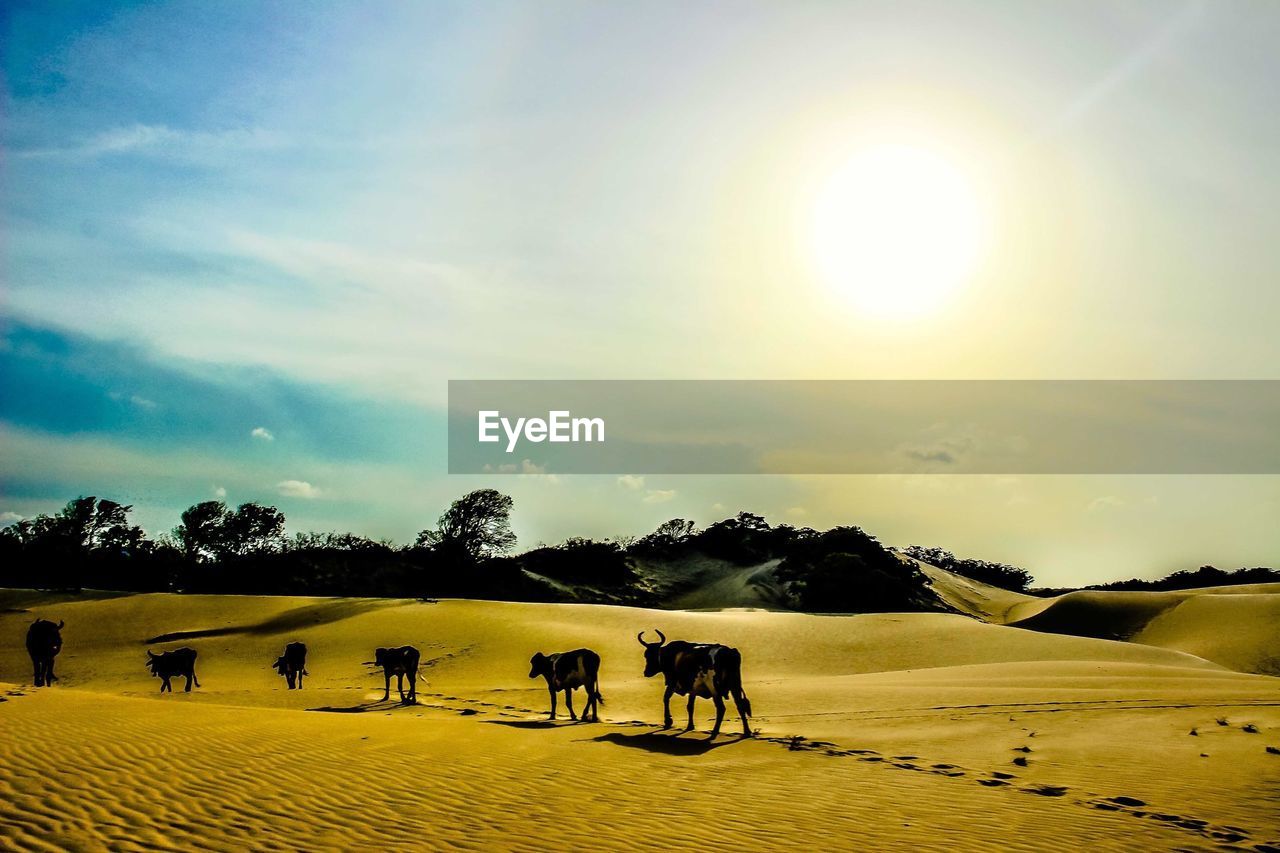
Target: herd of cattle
{"x": 706, "y": 670}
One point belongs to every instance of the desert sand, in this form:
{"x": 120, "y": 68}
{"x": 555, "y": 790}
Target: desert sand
{"x": 877, "y": 731}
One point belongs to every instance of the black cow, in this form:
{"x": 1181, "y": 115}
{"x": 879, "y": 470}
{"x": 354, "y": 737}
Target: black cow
{"x": 708, "y": 670}
{"x": 172, "y": 664}
{"x": 568, "y": 671}
{"x": 399, "y": 662}
{"x": 44, "y": 641}
{"x": 293, "y": 664}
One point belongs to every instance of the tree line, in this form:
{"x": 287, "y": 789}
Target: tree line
{"x": 91, "y": 543}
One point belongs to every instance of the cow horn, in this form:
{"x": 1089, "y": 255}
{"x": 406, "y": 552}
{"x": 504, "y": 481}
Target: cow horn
{"x": 640, "y": 637}
{"x": 150, "y": 654}
{"x": 662, "y": 638}
{"x": 61, "y": 622}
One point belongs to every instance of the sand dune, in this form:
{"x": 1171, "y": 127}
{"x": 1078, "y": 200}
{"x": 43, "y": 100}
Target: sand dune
{"x": 887, "y": 731}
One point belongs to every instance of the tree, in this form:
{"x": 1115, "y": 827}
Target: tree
{"x": 202, "y": 531}
{"x": 668, "y": 536}
{"x": 209, "y": 531}
{"x": 254, "y": 529}
{"x": 475, "y": 526}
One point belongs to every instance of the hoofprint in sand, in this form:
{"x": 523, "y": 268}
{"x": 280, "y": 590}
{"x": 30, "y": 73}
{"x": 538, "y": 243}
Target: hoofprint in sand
{"x": 893, "y": 731}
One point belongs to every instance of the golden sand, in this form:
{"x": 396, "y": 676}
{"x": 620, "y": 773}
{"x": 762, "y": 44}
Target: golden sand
{"x": 890, "y": 731}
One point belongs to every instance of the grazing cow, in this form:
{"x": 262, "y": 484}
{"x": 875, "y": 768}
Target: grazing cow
{"x": 708, "y": 670}
{"x": 44, "y": 641}
{"x": 172, "y": 664}
{"x": 293, "y": 664}
{"x": 399, "y": 662}
{"x": 568, "y": 671}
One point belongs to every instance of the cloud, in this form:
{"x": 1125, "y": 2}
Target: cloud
{"x": 136, "y": 399}
{"x": 297, "y": 489}
{"x": 797, "y": 512}
{"x": 7, "y": 518}
{"x": 262, "y": 433}
{"x": 162, "y": 140}
{"x": 659, "y": 496}
{"x": 1104, "y": 503}
{"x": 631, "y": 481}
{"x": 526, "y": 468}
{"x": 219, "y": 492}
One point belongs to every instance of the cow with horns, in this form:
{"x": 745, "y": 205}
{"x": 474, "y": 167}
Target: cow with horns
{"x": 709, "y": 670}
{"x": 568, "y": 671}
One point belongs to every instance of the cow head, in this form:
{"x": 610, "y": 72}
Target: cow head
{"x": 539, "y": 664}
{"x": 379, "y": 657}
{"x": 652, "y": 653}
{"x": 152, "y": 661}
{"x": 280, "y": 665}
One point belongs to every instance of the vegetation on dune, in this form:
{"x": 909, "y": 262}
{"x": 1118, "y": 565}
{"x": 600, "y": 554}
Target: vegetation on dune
{"x": 995, "y": 574}
{"x": 1201, "y": 577}
{"x": 90, "y": 543}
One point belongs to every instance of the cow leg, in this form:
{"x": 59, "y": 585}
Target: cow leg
{"x": 49, "y": 677}
{"x": 719, "y": 714}
{"x": 591, "y": 703}
{"x": 291, "y": 679}
{"x": 400, "y": 685}
{"x": 744, "y": 710}
{"x": 301, "y": 673}
{"x": 553, "y": 693}
{"x": 190, "y": 676}
{"x": 164, "y": 685}
{"x": 38, "y": 674}
{"x": 568, "y": 703}
{"x": 413, "y": 687}
{"x": 693, "y": 697}
{"x": 666, "y": 708}
{"x": 386, "y": 692}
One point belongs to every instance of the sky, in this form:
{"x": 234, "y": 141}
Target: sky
{"x": 245, "y": 247}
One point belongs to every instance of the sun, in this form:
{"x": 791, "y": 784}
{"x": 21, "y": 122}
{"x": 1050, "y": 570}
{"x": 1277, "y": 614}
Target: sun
{"x": 897, "y": 230}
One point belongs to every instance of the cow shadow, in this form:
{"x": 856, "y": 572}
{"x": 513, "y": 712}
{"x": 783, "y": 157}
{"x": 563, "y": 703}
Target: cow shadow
{"x": 667, "y": 744}
{"x": 365, "y": 707}
{"x": 535, "y": 724}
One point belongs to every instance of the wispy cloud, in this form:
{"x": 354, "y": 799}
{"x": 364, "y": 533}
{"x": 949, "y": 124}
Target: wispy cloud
{"x": 262, "y": 433}
{"x": 297, "y": 489}
{"x": 658, "y": 496}
{"x": 161, "y": 140}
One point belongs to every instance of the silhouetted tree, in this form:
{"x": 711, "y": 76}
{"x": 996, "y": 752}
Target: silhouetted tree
{"x": 202, "y": 531}
{"x": 254, "y": 529}
{"x": 476, "y": 526}
{"x": 668, "y": 536}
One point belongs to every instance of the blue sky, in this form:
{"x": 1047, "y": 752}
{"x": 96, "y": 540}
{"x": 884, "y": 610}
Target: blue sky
{"x": 225, "y": 217}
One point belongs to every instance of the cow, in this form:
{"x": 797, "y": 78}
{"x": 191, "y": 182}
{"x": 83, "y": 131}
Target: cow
{"x": 44, "y": 641}
{"x": 293, "y": 664}
{"x": 568, "y": 671}
{"x": 172, "y": 664}
{"x": 399, "y": 662}
{"x": 709, "y": 670}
